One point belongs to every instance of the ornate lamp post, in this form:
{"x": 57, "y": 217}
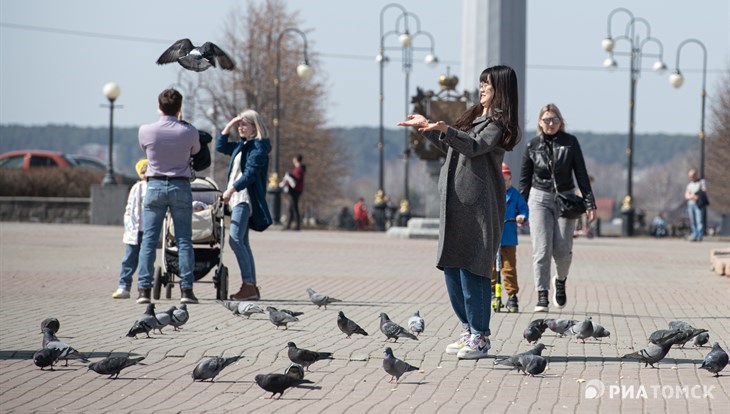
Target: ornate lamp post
{"x": 676, "y": 79}
{"x": 111, "y": 91}
{"x": 305, "y": 72}
{"x": 635, "y": 55}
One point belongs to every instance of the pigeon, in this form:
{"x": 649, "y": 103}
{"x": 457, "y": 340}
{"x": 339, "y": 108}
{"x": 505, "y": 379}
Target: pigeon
{"x": 66, "y": 351}
{"x": 716, "y": 360}
{"x": 139, "y": 327}
{"x": 320, "y": 299}
{"x": 349, "y": 327}
{"x": 148, "y": 319}
{"x": 114, "y": 365}
{"x": 48, "y": 336}
{"x": 46, "y": 357}
{"x": 180, "y": 316}
{"x": 656, "y": 351}
{"x": 560, "y": 326}
{"x": 295, "y": 370}
{"x": 416, "y": 324}
{"x": 684, "y": 326}
{"x": 534, "y": 330}
{"x": 394, "y": 366}
{"x": 305, "y": 357}
{"x": 52, "y": 323}
{"x": 164, "y": 318}
{"x": 290, "y": 312}
{"x": 701, "y": 339}
{"x": 196, "y": 58}
{"x": 679, "y": 336}
{"x": 513, "y": 361}
{"x": 209, "y": 368}
{"x": 392, "y": 330}
{"x": 531, "y": 364}
{"x": 247, "y": 309}
{"x": 582, "y": 330}
{"x": 279, "y": 318}
{"x": 231, "y": 305}
{"x": 600, "y": 332}
{"x": 278, "y": 383}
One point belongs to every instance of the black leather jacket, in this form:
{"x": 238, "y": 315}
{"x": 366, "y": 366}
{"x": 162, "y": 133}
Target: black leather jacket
{"x": 568, "y": 161}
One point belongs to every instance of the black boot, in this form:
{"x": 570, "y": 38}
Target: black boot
{"x": 542, "y": 301}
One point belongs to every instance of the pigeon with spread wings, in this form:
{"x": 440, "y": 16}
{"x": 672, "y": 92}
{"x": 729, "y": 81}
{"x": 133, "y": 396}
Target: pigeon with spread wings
{"x": 196, "y": 58}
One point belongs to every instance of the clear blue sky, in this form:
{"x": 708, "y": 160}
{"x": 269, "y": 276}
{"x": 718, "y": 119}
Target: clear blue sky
{"x": 50, "y": 76}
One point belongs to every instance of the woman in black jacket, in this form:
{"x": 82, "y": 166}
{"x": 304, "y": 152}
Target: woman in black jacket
{"x": 552, "y": 235}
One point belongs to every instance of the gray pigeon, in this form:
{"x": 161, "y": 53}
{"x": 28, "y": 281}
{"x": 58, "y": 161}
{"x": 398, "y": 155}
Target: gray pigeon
{"x": 582, "y": 330}
{"x": 394, "y": 366}
{"x": 684, "y": 326}
{"x": 392, "y": 330}
{"x": 279, "y": 318}
{"x": 52, "y": 323}
{"x": 560, "y": 326}
{"x": 531, "y": 364}
{"x": 66, "y": 351}
{"x": 180, "y": 316}
{"x": 534, "y": 330}
{"x": 681, "y": 325}
{"x": 46, "y": 358}
{"x": 305, "y": 357}
{"x": 679, "y": 336}
{"x": 48, "y": 336}
{"x": 513, "y": 361}
{"x": 320, "y": 299}
{"x": 209, "y": 368}
{"x": 278, "y": 383}
{"x": 349, "y": 327}
{"x": 149, "y": 318}
{"x": 164, "y": 318}
{"x": 247, "y": 309}
{"x": 290, "y": 312}
{"x": 701, "y": 339}
{"x": 416, "y": 324}
{"x": 196, "y": 58}
{"x": 655, "y": 352}
{"x": 114, "y": 365}
{"x": 295, "y": 370}
{"x": 716, "y": 360}
{"x": 600, "y": 332}
{"x": 231, "y": 305}
{"x": 139, "y": 328}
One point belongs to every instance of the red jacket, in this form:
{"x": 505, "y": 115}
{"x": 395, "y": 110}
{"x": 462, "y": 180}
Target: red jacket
{"x": 298, "y": 175}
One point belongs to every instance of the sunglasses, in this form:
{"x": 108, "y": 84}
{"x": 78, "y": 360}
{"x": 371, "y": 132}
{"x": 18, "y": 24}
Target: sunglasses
{"x": 553, "y": 120}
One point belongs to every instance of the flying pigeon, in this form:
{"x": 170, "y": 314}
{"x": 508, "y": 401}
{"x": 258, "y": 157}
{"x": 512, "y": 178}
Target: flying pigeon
{"x": 66, "y": 351}
{"x": 513, "y": 361}
{"x": 278, "y": 383}
{"x": 600, "y": 332}
{"x": 392, "y": 330}
{"x": 531, "y": 364}
{"x": 320, "y": 299}
{"x": 716, "y": 360}
{"x": 180, "y": 316}
{"x": 416, "y": 324}
{"x": 196, "y": 58}
{"x": 209, "y": 368}
{"x": 46, "y": 357}
{"x": 560, "y": 326}
{"x": 394, "y": 366}
{"x": 114, "y": 365}
{"x": 701, "y": 339}
{"x": 279, "y": 318}
{"x": 349, "y": 327}
{"x": 582, "y": 330}
{"x": 52, "y": 323}
{"x": 305, "y": 357}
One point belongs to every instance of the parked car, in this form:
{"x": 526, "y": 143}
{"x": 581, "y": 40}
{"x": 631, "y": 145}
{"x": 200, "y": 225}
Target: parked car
{"x": 84, "y": 161}
{"x": 26, "y": 159}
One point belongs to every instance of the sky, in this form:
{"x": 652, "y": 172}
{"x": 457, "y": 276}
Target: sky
{"x": 54, "y": 63}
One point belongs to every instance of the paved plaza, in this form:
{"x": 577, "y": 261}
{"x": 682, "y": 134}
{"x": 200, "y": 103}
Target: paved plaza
{"x": 630, "y": 286}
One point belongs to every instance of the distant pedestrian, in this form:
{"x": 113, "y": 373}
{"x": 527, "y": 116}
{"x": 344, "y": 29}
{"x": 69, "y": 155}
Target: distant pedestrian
{"x": 295, "y": 188}
{"x": 360, "y": 211}
{"x": 697, "y": 201}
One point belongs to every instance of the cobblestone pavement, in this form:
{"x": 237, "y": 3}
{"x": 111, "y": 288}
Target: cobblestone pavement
{"x": 631, "y": 286}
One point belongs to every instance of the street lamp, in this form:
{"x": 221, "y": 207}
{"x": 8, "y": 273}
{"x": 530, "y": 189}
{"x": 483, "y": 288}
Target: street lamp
{"x": 635, "y": 55}
{"x": 676, "y": 79}
{"x": 111, "y": 91}
{"x": 305, "y": 72}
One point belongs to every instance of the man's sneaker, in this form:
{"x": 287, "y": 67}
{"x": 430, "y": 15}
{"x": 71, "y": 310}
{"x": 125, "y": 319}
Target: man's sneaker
{"x": 187, "y": 296}
{"x": 144, "y": 295}
{"x": 121, "y": 293}
{"x": 542, "y": 301}
{"x": 559, "y": 296}
{"x": 453, "y": 349}
{"x": 512, "y": 305}
{"x": 475, "y": 348}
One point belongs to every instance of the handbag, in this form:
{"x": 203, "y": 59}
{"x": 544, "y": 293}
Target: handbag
{"x": 570, "y": 205}
{"x": 702, "y": 200}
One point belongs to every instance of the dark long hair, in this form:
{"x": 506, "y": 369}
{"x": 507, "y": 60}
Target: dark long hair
{"x": 503, "y": 107}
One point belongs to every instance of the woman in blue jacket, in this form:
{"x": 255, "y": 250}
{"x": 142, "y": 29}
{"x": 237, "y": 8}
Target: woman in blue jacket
{"x": 246, "y": 191}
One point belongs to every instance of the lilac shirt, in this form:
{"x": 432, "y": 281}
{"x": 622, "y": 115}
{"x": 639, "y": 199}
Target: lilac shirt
{"x": 169, "y": 144}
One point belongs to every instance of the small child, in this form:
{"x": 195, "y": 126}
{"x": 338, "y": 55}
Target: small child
{"x": 132, "y": 231}
{"x": 516, "y": 208}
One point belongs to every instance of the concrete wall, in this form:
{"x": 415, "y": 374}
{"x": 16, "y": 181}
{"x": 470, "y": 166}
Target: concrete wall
{"x": 45, "y": 209}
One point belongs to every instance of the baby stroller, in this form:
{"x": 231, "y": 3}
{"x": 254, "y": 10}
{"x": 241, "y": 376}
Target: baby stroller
{"x": 208, "y": 240}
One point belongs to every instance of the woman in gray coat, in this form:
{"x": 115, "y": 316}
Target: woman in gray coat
{"x": 473, "y": 201}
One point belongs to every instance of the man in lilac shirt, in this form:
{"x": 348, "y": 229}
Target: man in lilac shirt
{"x": 169, "y": 144}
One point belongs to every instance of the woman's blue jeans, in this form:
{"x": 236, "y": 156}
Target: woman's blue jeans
{"x": 695, "y": 220}
{"x": 471, "y": 297}
{"x": 239, "y": 242}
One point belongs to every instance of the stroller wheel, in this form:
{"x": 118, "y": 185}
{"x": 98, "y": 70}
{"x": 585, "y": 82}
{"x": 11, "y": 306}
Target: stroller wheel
{"x": 221, "y": 288}
{"x": 157, "y": 283}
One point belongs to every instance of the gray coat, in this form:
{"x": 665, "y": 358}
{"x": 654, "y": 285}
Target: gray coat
{"x": 472, "y": 194}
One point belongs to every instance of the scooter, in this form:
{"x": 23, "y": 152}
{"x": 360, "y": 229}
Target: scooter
{"x": 497, "y": 304}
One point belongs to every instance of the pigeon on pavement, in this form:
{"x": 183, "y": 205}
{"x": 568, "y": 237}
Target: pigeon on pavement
{"x": 196, "y": 58}
{"x": 679, "y": 336}
{"x": 46, "y": 357}
{"x": 279, "y": 318}
{"x": 66, "y": 351}
{"x": 48, "y": 336}
{"x": 701, "y": 339}
{"x": 295, "y": 370}
{"x": 164, "y": 318}
{"x": 416, "y": 324}
{"x": 349, "y": 327}
{"x": 114, "y": 365}
{"x": 320, "y": 299}
{"x": 531, "y": 364}
{"x": 513, "y": 361}
{"x": 655, "y": 352}
{"x": 394, "y": 366}
{"x": 290, "y": 312}
{"x": 305, "y": 357}
{"x": 560, "y": 326}
{"x": 534, "y": 330}
{"x": 278, "y": 383}
{"x": 716, "y": 360}
{"x": 392, "y": 330}
{"x": 139, "y": 327}
{"x": 209, "y": 368}
{"x": 148, "y": 319}
{"x": 247, "y": 309}
{"x": 180, "y": 316}
{"x": 52, "y": 323}
{"x": 600, "y": 332}
{"x": 582, "y": 330}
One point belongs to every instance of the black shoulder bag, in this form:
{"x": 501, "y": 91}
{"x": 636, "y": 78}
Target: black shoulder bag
{"x": 570, "y": 205}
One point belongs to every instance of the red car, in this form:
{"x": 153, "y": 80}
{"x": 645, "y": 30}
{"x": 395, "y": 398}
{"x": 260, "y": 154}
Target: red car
{"x": 26, "y": 159}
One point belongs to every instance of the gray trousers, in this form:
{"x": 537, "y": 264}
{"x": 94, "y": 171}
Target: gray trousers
{"x": 552, "y": 237}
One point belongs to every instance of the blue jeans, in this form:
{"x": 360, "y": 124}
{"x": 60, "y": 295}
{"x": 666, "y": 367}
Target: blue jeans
{"x": 129, "y": 263}
{"x": 695, "y": 219}
{"x": 176, "y": 196}
{"x": 239, "y": 242}
{"x": 471, "y": 297}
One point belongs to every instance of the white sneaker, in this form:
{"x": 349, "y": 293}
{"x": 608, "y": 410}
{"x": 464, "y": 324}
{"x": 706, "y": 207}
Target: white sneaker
{"x": 475, "y": 348}
{"x": 453, "y": 349}
{"x": 121, "y": 293}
